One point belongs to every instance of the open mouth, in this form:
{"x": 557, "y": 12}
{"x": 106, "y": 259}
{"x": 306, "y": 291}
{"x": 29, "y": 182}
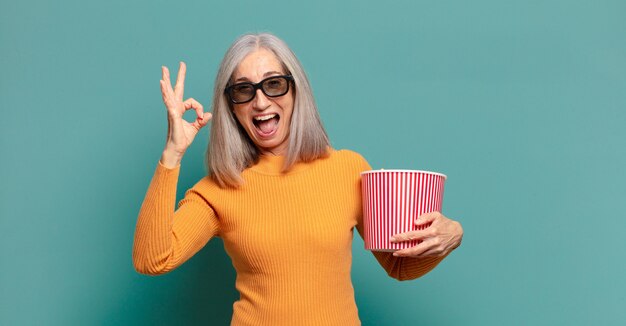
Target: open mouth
{"x": 267, "y": 124}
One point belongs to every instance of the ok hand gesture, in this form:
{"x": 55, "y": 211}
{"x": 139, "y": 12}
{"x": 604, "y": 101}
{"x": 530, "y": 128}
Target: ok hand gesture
{"x": 180, "y": 133}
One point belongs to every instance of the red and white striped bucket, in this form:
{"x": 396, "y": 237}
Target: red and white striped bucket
{"x": 393, "y": 200}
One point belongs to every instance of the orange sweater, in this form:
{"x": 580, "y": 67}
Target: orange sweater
{"x": 289, "y": 237}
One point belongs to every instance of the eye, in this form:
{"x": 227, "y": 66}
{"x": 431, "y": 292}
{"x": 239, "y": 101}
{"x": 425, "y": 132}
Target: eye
{"x": 275, "y": 83}
{"x": 243, "y": 89}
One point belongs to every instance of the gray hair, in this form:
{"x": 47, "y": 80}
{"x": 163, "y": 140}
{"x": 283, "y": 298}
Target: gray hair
{"x": 230, "y": 149}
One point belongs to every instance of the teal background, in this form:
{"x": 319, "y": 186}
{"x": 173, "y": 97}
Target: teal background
{"x": 520, "y": 103}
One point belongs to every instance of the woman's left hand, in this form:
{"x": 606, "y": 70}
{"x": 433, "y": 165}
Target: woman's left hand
{"x": 438, "y": 239}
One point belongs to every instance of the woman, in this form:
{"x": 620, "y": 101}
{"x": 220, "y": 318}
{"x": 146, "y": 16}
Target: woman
{"x": 283, "y": 201}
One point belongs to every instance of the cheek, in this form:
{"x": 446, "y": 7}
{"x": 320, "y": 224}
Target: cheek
{"x": 241, "y": 117}
{"x": 287, "y": 106}
{"x": 287, "y": 103}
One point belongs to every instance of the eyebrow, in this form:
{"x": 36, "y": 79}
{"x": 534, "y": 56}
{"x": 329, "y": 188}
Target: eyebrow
{"x": 269, "y": 73}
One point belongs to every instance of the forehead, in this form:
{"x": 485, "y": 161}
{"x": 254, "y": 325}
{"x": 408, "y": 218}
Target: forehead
{"x": 258, "y": 65}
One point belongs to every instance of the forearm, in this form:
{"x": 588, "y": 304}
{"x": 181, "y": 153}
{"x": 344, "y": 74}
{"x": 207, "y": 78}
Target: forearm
{"x": 152, "y": 247}
{"x": 406, "y": 268}
{"x": 403, "y": 268}
{"x": 166, "y": 237}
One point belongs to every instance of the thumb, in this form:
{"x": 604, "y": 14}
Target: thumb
{"x": 206, "y": 116}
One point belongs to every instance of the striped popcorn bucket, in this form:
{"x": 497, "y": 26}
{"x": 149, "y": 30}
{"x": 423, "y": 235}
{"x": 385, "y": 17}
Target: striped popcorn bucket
{"x": 393, "y": 200}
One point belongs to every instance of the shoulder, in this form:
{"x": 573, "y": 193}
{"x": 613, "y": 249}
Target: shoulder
{"x": 205, "y": 188}
{"x": 351, "y": 158}
{"x": 348, "y": 154}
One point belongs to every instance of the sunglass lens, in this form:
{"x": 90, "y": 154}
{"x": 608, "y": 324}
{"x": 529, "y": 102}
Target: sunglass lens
{"x": 242, "y": 93}
{"x": 275, "y": 86}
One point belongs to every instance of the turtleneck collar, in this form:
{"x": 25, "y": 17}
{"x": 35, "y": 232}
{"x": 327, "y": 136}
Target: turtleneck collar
{"x": 273, "y": 164}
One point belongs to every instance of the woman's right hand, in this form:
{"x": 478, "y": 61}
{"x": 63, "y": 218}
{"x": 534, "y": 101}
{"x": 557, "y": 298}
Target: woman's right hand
{"x": 180, "y": 133}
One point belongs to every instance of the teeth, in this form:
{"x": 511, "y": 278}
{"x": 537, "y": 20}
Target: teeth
{"x": 265, "y": 117}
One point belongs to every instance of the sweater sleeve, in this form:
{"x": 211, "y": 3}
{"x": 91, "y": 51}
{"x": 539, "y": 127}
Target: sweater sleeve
{"x": 400, "y": 268}
{"x": 165, "y": 238}
{"x": 403, "y": 268}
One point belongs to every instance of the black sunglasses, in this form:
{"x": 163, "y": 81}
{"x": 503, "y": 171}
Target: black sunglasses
{"x": 273, "y": 86}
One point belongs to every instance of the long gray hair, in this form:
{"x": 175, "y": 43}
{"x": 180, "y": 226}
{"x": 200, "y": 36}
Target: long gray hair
{"x": 230, "y": 149}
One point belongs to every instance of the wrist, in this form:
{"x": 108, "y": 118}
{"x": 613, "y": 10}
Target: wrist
{"x": 171, "y": 158}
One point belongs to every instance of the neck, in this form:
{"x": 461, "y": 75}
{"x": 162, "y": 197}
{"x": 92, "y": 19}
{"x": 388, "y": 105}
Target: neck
{"x": 270, "y": 163}
{"x": 280, "y": 150}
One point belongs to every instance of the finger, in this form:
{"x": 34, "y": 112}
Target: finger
{"x": 199, "y": 123}
{"x": 166, "y": 95}
{"x": 163, "y": 90}
{"x": 205, "y": 118}
{"x": 412, "y": 235}
{"x": 179, "y": 89}
{"x": 191, "y": 103}
{"x": 423, "y": 221}
{"x": 426, "y": 245}
{"x": 166, "y": 79}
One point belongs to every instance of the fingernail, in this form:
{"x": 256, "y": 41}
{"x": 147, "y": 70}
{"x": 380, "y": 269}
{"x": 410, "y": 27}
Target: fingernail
{"x": 395, "y": 254}
{"x": 392, "y": 239}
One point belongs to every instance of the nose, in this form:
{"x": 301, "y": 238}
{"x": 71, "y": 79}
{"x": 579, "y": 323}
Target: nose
{"x": 260, "y": 101}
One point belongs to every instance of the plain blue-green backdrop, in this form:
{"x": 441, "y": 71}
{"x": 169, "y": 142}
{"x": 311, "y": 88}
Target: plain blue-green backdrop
{"x": 520, "y": 103}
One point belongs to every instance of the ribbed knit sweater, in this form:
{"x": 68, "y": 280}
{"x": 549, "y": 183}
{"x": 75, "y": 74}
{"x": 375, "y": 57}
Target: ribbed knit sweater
{"x": 289, "y": 236}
